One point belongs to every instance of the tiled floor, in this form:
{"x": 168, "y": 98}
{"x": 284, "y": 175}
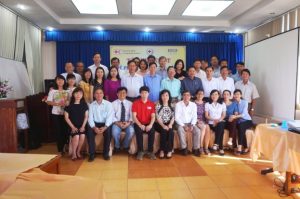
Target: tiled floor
{"x": 211, "y": 177}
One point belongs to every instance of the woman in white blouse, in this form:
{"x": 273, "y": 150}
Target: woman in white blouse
{"x": 215, "y": 112}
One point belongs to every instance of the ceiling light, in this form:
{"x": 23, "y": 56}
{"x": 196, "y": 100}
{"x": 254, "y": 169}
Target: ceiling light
{"x": 192, "y": 30}
{"x": 206, "y": 8}
{"x": 21, "y": 6}
{"x": 147, "y": 29}
{"x": 50, "y": 28}
{"x": 99, "y": 28}
{"x": 152, "y": 7}
{"x": 96, "y": 6}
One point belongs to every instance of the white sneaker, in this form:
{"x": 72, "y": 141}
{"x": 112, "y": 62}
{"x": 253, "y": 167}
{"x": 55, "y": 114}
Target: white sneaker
{"x": 229, "y": 142}
{"x": 215, "y": 147}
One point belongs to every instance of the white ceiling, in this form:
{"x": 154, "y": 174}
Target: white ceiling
{"x": 63, "y": 15}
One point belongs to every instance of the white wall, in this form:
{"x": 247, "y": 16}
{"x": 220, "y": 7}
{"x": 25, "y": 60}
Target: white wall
{"x": 49, "y": 59}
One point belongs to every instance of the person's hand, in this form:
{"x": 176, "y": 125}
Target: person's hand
{"x": 251, "y": 113}
{"x": 191, "y": 128}
{"x": 231, "y": 118}
{"x": 215, "y": 122}
{"x": 181, "y": 78}
{"x": 148, "y": 128}
{"x": 186, "y": 128}
{"x": 142, "y": 127}
{"x": 170, "y": 126}
{"x": 102, "y": 129}
{"x": 82, "y": 129}
{"x": 125, "y": 124}
{"x": 165, "y": 127}
{"x": 119, "y": 124}
{"x": 96, "y": 130}
{"x": 74, "y": 129}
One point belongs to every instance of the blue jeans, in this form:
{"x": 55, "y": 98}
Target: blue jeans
{"x": 116, "y": 132}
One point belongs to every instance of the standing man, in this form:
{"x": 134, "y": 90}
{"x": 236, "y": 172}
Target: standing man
{"x": 204, "y": 64}
{"x": 199, "y": 73}
{"x": 172, "y": 84}
{"x": 214, "y": 62}
{"x": 186, "y": 119}
{"x": 249, "y": 90}
{"x": 191, "y": 83}
{"x": 132, "y": 81}
{"x": 226, "y": 82}
{"x": 97, "y": 63}
{"x": 80, "y": 68}
{"x": 152, "y": 81}
{"x": 240, "y": 66}
{"x": 143, "y": 114}
{"x": 122, "y": 119}
{"x": 151, "y": 59}
{"x": 100, "y": 120}
{"x": 210, "y": 83}
{"x": 69, "y": 68}
{"x": 162, "y": 69}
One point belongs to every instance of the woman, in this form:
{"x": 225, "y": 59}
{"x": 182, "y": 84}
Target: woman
{"x": 85, "y": 84}
{"x": 215, "y": 112}
{"x": 58, "y": 99}
{"x": 71, "y": 84}
{"x": 230, "y": 119}
{"x": 244, "y": 121}
{"x": 165, "y": 121}
{"x": 98, "y": 81}
{"x": 201, "y": 123}
{"x": 76, "y": 116}
{"x": 112, "y": 84}
{"x": 143, "y": 68}
{"x": 179, "y": 68}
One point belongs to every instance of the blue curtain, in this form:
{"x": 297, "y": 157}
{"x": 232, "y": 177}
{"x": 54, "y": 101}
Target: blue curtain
{"x": 80, "y": 45}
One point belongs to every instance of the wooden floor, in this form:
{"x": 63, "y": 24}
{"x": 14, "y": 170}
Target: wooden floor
{"x": 209, "y": 177}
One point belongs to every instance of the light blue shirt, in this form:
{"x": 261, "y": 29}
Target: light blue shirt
{"x": 217, "y": 72}
{"x": 162, "y": 72}
{"x": 243, "y": 110}
{"x": 100, "y": 113}
{"x": 153, "y": 82}
{"x": 173, "y": 86}
{"x": 236, "y": 77}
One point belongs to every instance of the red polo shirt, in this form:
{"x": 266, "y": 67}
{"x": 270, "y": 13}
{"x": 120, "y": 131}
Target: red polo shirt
{"x": 143, "y": 110}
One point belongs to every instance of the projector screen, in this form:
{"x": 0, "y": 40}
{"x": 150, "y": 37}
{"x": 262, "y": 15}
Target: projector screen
{"x": 273, "y": 64}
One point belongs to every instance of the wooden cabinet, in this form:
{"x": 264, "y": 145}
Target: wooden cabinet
{"x": 8, "y": 126}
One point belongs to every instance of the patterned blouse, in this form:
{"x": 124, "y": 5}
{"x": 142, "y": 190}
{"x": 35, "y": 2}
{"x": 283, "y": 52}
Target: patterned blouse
{"x": 165, "y": 113}
{"x": 201, "y": 112}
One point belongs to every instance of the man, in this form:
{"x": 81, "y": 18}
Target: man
{"x": 214, "y": 62}
{"x": 137, "y": 61}
{"x": 204, "y": 64}
{"x": 69, "y": 68}
{"x": 152, "y": 81}
{"x": 162, "y": 69}
{"x": 80, "y": 68}
{"x": 186, "y": 119}
{"x": 249, "y": 90}
{"x": 132, "y": 81}
{"x": 151, "y": 59}
{"x": 115, "y": 62}
{"x": 240, "y": 66}
{"x": 97, "y": 63}
{"x": 100, "y": 120}
{"x": 210, "y": 83}
{"x": 191, "y": 83}
{"x": 172, "y": 84}
{"x": 143, "y": 114}
{"x": 223, "y": 62}
{"x": 225, "y": 82}
{"x": 199, "y": 73}
{"x": 122, "y": 119}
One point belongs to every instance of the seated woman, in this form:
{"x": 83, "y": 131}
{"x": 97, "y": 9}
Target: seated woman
{"x": 215, "y": 112}
{"x": 244, "y": 121}
{"x": 202, "y": 123}
{"x": 76, "y": 116}
{"x": 230, "y": 119}
{"x": 164, "y": 125}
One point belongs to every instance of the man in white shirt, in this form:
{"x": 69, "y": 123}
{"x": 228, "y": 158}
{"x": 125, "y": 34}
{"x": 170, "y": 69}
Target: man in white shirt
{"x": 122, "y": 119}
{"x": 199, "y": 72}
{"x": 69, "y": 68}
{"x": 186, "y": 119}
{"x": 97, "y": 60}
{"x": 249, "y": 90}
{"x": 225, "y": 82}
{"x": 122, "y": 69}
{"x": 210, "y": 83}
{"x": 214, "y": 62}
{"x": 132, "y": 81}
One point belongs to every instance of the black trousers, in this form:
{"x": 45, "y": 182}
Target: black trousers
{"x": 166, "y": 138}
{"x": 139, "y": 138}
{"x": 60, "y": 131}
{"x": 242, "y": 127}
{"x": 232, "y": 128}
{"x": 219, "y": 133}
{"x": 91, "y": 139}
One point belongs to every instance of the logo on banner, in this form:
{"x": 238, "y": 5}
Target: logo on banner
{"x": 117, "y": 52}
{"x": 150, "y": 51}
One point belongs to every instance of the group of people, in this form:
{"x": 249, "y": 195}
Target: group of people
{"x": 146, "y": 97}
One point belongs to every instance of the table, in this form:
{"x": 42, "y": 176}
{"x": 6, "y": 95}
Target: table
{"x": 282, "y": 147}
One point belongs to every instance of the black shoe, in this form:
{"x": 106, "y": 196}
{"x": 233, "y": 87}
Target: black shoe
{"x": 117, "y": 150}
{"x": 184, "y": 152}
{"x": 91, "y": 158}
{"x": 197, "y": 152}
{"x": 106, "y": 157}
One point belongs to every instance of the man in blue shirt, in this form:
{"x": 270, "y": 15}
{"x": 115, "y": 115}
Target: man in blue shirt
{"x": 191, "y": 83}
{"x": 240, "y": 66}
{"x": 162, "y": 69}
{"x": 100, "y": 120}
{"x": 172, "y": 84}
{"x": 152, "y": 81}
